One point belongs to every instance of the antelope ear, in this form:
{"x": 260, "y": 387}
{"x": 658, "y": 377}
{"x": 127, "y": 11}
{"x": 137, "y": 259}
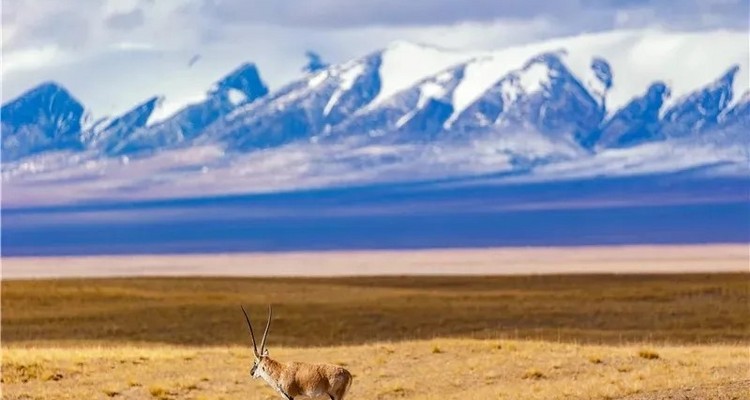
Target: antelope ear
{"x": 265, "y": 352}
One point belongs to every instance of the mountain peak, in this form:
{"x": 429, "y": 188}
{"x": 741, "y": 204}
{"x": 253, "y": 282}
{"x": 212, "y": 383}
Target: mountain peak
{"x": 729, "y": 76}
{"x": 46, "y": 98}
{"x": 120, "y": 128}
{"x": 43, "y": 90}
{"x": 701, "y": 109}
{"x": 47, "y": 117}
{"x": 246, "y": 79}
{"x": 47, "y": 86}
{"x": 139, "y": 115}
{"x": 637, "y": 122}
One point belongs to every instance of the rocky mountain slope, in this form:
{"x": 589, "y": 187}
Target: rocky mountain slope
{"x": 406, "y": 111}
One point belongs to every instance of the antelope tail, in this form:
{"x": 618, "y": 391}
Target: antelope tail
{"x": 349, "y": 385}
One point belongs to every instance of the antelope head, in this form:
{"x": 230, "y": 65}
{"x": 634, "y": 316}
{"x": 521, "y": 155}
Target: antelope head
{"x": 261, "y": 356}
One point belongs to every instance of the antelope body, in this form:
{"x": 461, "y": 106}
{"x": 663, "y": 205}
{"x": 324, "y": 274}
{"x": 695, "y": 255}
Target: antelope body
{"x": 295, "y": 378}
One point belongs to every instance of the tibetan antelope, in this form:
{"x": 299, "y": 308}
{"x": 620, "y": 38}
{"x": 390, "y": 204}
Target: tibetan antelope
{"x": 295, "y": 378}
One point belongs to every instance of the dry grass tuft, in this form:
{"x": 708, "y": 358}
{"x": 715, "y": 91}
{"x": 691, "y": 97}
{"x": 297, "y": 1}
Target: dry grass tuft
{"x": 595, "y": 360}
{"x": 533, "y": 374}
{"x": 648, "y": 354}
{"x": 159, "y": 392}
{"x": 23, "y": 372}
{"x": 395, "y": 391}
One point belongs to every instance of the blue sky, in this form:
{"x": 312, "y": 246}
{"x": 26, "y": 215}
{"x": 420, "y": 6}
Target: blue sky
{"x": 121, "y": 44}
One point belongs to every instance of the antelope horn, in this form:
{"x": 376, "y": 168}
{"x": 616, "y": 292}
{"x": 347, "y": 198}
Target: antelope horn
{"x": 252, "y": 335}
{"x": 265, "y": 334}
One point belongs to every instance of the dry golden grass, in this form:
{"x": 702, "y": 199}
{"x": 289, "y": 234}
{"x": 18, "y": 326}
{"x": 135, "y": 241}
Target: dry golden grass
{"x": 688, "y": 308}
{"x": 605, "y": 336}
{"x": 463, "y": 368}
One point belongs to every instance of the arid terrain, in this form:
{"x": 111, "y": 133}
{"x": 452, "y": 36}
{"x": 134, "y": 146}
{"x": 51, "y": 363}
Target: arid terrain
{"x": 587, "y": 334}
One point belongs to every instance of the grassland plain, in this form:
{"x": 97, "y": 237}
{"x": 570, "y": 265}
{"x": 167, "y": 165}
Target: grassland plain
{"x": 689, "y": 308}
{"x": 513, "y": 337}
{"x": 427, "y": 369}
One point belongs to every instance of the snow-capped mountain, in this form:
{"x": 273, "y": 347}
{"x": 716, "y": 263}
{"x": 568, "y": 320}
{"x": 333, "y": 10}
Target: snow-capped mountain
{"x": 241, "y": 86}
{"x": 542, "y": 96}
{"x": 301, "y": 109}
{"x": 46, "y": 118}
{"x": 409, "y": 112}
{"x": 637, "y": 122}
{"x": 700, "y": 110}
{"x": 119, "y": 129}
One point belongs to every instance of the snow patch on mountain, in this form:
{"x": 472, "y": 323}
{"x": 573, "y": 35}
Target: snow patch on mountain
{"x": 535, "y": 78}
{"x": 405, "y": 63}
{"x": 170, "y": 106}
{"x": 318, "y": 78}
{"x": 236, "y": 96}
{"x": 347, "y": 79}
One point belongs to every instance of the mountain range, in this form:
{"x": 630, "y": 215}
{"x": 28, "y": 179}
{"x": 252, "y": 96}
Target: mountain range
{"x": 406, "y": 112}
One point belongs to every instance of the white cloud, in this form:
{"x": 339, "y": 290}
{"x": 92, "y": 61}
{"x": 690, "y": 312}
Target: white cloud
{"x": 31, "y": 59}
{"x": 133, "y": 46}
